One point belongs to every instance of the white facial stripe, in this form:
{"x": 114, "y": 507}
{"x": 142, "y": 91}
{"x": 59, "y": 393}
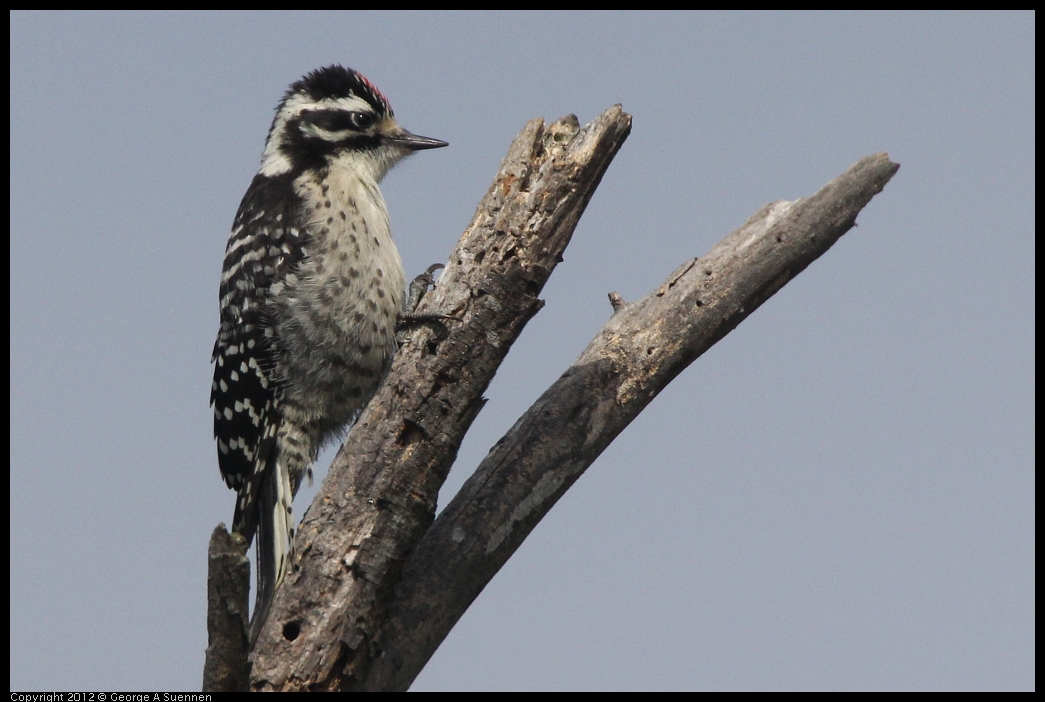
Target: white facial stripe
{"x": 325, "y": 134}
{"x": 299, "y": 103}
{"x": 273, "y": 162}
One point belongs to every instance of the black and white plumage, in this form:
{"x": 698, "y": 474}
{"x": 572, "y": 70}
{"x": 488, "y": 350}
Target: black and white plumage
{"x": 311, "y": 288}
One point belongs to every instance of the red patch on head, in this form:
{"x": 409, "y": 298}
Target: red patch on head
{"x": 374, "y": 89}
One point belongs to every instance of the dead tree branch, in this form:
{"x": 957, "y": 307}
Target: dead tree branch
{"x": 228, "y": 585}
{"x": 635, "y": 355}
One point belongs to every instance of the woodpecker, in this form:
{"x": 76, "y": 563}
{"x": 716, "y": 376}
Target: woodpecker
{"x": 311, "y": 289}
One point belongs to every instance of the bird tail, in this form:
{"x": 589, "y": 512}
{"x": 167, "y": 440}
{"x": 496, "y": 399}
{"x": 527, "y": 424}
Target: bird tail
{"x": 275, "y": 542}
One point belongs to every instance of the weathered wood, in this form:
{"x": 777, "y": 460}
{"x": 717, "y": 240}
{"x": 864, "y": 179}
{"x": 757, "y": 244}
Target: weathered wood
{"x": 225, "y": 668}
{"x": 637, "y": 353}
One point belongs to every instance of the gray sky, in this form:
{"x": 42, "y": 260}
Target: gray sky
{"x": 839, "y": 495}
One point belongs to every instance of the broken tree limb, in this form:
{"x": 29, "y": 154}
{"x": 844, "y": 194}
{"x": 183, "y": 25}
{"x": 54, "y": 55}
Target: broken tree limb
{"x": 637, "y": 353}
{"x": 225, "y": 668}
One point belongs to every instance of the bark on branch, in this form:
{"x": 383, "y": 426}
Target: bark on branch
{"x": 228, "y": 585}
{"x": 635, "y": 355}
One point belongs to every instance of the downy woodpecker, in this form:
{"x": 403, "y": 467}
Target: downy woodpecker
{"x": 310, "y": 293}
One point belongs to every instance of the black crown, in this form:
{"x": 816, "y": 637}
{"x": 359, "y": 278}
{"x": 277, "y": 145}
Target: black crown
{"x": 336, "y": 82}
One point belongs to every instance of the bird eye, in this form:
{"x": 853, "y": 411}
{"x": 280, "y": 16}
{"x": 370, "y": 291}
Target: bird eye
{"x": 361, "y": 120}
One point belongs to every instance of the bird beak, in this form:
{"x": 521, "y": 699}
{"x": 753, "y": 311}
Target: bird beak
{"x": 413, "y": 142}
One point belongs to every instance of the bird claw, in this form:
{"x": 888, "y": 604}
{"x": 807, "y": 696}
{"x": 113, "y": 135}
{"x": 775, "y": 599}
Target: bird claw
{"x": 419, "y": 286}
